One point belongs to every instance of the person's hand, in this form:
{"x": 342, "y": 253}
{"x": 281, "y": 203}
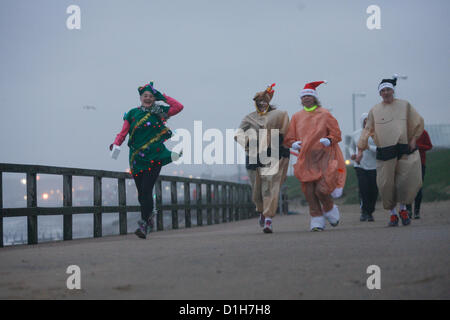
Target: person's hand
{"x": 412, "y": 144}
{"x": 325, "y": 141}
{"x": 111, "y": 147}
{"x": 359, "y": 156}
{"x": 297, "y": 145}
{"x": 353, "y": 157}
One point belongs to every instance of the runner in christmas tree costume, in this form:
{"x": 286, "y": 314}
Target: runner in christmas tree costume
{"x": 320, "y": 166}
{"x": 146, "y": 127}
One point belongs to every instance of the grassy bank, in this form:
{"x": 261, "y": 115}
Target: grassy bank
{"x": 436, "y": 186}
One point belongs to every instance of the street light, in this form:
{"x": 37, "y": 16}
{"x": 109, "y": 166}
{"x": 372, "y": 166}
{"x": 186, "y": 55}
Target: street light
{"x": 400, "y": 77}
{"x": 354, "y": 95}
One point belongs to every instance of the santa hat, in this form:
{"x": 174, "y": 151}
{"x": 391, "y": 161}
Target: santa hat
{"x": 388, "y": 83}
{"x": 266, "y": 95}
{"x": 310, "y": 89}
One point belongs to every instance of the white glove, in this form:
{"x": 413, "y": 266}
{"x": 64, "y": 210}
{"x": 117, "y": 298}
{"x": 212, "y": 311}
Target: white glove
{"x": 297, "y": 145}
{"x": 115, "y": 152}
{"x": 325, "y": 141}
{"x": 337, "y": 193}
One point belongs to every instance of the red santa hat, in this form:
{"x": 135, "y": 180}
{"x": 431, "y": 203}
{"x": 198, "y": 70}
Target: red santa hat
{"x": 310, "y": 89}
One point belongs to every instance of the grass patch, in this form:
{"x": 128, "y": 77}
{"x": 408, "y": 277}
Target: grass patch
{"x": 436, "y": 185}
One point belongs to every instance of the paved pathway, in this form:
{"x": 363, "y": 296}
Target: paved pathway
{"x": 237, "y": 261}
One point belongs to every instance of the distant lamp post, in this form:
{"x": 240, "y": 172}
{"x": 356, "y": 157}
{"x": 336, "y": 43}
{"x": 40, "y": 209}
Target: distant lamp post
{"x": 354, "y": 95}
{"x": 400, "y": 77}
{"x": 397, "y": 76}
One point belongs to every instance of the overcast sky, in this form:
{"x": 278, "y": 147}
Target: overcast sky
{"x": 212, "y": 56}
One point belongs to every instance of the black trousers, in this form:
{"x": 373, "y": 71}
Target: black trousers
{"x": 418, "y": 199}
{"x": 144, "y": 184}
{"x": 368, "y": 190}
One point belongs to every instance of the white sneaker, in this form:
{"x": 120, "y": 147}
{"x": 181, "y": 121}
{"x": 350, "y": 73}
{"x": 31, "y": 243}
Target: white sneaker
{"x": 317, "y": 223}
{"x": 268, "y": 226}
{"x": 333, "y": 216}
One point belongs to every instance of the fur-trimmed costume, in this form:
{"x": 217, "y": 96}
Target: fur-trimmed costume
{"x": 320, "y": 164}
{"x": 265, "y": 184}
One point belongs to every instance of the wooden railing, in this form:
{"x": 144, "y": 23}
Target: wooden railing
{"x": 231, "y": 201}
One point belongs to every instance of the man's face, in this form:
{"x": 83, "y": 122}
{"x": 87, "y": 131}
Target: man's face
{"x": 147, "y": 99}
{"x": 387, "y": 94}
{"x": 261, "y": 104}
{"x": 308, "y": 101}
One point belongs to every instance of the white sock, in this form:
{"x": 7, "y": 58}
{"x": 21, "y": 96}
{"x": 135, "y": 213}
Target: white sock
{"x": 268, "y": 219}
{"x": 394, "y": 212}
{"x": 402, "y": 207}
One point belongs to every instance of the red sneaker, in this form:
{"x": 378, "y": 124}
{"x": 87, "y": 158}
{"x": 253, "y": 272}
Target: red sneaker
{"x": 404, "y": 215}
{"x": 394, "y": 221}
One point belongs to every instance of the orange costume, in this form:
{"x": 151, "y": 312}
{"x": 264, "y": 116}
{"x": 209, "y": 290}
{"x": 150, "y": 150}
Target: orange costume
{"x": 320, "y": 164}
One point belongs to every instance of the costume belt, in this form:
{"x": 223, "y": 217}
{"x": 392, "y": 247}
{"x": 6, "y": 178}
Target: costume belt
{"x": 395, "y": 151}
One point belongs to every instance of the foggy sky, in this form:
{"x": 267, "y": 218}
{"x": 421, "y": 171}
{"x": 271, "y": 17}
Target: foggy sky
{"x": 212, "y": 56}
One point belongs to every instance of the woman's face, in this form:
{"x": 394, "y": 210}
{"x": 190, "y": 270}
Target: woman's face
{"x": 147, "y": 99}
{"x": 308, "y": 101}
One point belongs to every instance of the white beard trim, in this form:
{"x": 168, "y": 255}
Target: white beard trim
{"x": 308, "y": 92}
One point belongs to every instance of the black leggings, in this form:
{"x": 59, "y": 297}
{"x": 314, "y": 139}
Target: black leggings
{"x": 367, "y": 181}
{"x": 144, "y": 183}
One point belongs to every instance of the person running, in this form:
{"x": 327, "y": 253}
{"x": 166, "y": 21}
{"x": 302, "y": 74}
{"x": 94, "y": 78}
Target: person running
{"x": 395, "y": 127}
{"x": 147, "y": 131}
{"x": 266, "y": 177}
{"x": 366, "y": 172}
{"x": 320, "y": 166}
{"x": 424, "y": 144}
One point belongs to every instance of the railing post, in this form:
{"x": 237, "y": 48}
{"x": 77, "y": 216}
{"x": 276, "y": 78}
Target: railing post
{"x": 198, "y": 188}
{"x": 236, "y": 201}
{"x": 174, "y": 200}
{"x": 1, "y": 209}
{"x": 159, "y": 211}
{"x": 209, "y": 202}
{"x": 123, "y": 228}
{"x": 67, "y": 202}
{"x": 32, "y": 220}
{"x": 224, "y": 202}
{"x": 216, "y": 203}
{"x": 244, "y": 212}
{"x": 97, "y": 203}
{"x": 230, "y": 202}
{"x": 187, "y": 202}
